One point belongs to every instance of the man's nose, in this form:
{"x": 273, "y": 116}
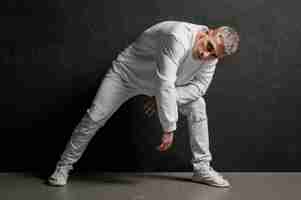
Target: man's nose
{"x": 206, "y": 54}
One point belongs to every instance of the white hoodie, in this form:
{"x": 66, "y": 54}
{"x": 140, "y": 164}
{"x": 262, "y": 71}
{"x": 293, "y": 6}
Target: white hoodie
{"x": 160, "y": 60}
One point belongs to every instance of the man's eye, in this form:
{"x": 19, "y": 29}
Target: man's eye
{"x": 214, "y": 55}
{"x": 210, "y": 47}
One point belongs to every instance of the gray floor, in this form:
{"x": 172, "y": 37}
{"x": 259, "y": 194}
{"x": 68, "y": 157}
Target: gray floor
{"x": 152, "y": 186}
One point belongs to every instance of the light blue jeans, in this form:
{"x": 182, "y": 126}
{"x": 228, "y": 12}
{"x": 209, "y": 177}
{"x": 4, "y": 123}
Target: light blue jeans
{"x": 112, "y": 93}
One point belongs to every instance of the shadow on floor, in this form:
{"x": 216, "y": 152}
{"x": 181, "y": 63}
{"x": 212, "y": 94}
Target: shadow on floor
{"x": 112, "y": 177}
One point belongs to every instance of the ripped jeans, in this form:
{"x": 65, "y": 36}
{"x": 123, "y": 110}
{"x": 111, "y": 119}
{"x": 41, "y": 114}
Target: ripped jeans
{"x": 112, "y": 93}
{"x": 195, "y": 112}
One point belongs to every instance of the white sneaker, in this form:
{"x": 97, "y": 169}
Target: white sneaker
{"x": 60, "y": 176}
{"x": 210, "y": 177}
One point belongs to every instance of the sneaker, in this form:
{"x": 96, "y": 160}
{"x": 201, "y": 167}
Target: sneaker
{"x": 60, "y": 176}
{"x": 210, "y": 177}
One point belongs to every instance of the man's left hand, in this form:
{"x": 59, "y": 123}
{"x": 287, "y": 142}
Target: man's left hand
{"x": 166, "y": 141}
{"x": 150, "y": 106}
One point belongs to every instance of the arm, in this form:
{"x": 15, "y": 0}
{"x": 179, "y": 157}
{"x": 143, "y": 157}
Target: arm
{"x": 170, "y": 54}
{"x": 197, "y": 86}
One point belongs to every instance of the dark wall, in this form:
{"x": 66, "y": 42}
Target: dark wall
{"x": 55, "y": 53}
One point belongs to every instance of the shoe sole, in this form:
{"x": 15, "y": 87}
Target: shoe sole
{"x": 211, "y": 184}
{"x": 55, "y": 184}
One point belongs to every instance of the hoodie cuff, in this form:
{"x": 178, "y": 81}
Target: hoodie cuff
{"x": 170, "y": 127}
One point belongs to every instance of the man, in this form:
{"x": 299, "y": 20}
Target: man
{"x": 173, "y": 63}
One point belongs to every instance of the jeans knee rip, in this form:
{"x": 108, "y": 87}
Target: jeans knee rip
{"x": 95, "y": 114}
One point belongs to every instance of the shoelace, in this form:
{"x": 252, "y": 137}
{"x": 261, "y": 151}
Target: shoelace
{"x": 62, "y": 171}
{"x": 211, "y": 170}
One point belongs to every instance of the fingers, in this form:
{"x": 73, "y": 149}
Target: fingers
{"x": 167, "y": 140}
{"x": 148, "y": 103}
{"x": 149, "y": 108}
{"x": 164, "y": 146}
{"x": 150, "y": 112}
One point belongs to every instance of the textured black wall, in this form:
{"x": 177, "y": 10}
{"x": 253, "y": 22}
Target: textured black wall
{"x": 55, "y": 53}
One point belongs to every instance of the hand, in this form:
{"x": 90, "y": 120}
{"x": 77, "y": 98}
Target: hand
{"x": 150, "y": 106}
{"x": 166, "y": 141}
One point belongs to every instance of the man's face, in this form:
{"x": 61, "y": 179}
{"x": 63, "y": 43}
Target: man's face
{"x": 209, "y": 45}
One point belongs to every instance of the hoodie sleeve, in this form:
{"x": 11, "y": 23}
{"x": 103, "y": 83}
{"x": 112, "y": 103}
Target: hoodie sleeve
{"x": 198, "y": 85}
{"x": 171, "y": 52}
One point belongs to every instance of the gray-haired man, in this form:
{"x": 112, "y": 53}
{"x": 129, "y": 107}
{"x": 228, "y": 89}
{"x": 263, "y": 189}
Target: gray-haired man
{"x": 173, "y": 63}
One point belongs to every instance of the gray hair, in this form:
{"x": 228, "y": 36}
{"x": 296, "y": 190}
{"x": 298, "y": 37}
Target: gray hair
{"x": 231, "y": 39}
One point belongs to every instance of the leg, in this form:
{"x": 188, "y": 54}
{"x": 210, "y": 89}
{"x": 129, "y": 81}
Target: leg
{"x": 112, "y": 92}
{"x": 195, "y": 112}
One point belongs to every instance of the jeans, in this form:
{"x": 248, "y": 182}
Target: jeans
{"x": 112, "y": 93}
